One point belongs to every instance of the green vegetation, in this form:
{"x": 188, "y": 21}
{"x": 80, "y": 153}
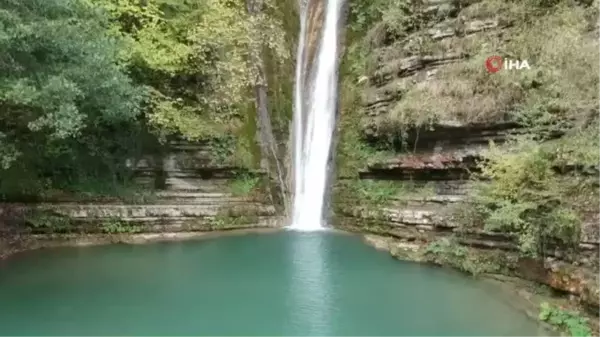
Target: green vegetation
{"x": 224, "y": 221}
{"x": 244, "y": 184}
{"x": 86, "y": 86}
{"x": 368, "y": 199}
{"x": 41, "y": 220}
{"x": 373, "y": 25}
{"x": 559, "y": 90}
{"x": 63, "y": 90}
{"x": 195, "y": 56}
{"x": 371, "y": 192}
{"x": 538, "y": 186}
{"x": 352, "y": 153}
{"x": 569, "y": 321}
{"x": 118, "y": 226}
{"x": 449, "y": 252}
{"x": 526, "y": 196}
{"x": 381, "y": 192}
{"x": 97, "y": 190}
{"x": 47, "y": 221}
{"x": 557, "y": 94}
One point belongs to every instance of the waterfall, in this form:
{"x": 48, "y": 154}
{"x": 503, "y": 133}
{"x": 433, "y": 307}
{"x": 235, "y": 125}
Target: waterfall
{"x": 315, "y": 105}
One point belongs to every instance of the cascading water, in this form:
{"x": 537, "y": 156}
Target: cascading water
{"x": 315, "y": 111}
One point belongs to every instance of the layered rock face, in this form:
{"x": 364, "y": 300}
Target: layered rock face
{"x": 187, "y": 193}
{"x": 443, "y": 155}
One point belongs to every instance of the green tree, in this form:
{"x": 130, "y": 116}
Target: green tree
{"x": 68, "y": 110}
{"x": 196, "y": 58}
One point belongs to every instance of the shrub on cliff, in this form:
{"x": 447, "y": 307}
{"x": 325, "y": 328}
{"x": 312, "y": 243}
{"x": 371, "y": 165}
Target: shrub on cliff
{"x": 557, "y": 40}
{"x": 522, "y": 194}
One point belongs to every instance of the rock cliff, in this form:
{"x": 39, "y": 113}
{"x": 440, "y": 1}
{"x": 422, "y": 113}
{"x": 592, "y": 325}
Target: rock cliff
{"x": 438, "y": 126}
{"x": 186, "y": 192}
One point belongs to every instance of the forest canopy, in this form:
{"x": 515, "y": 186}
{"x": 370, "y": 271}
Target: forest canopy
{"x": 87, "y": 84}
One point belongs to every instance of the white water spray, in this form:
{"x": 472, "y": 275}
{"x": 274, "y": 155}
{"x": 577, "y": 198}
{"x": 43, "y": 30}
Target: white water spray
{"x": 314, "y": 119}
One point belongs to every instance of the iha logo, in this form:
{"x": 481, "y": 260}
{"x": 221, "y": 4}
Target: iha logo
{"x": 496, "y": 63}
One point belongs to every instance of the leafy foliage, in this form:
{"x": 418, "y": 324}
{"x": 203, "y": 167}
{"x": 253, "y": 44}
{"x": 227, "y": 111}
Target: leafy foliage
{"x": 449, "y": 252}
{"x": 352, "y": 153}
{"x": 571, "y": 321}
{"x": 118, "y": 226}
{"x": 87, "y": 85}
{"x": 368, "y": 199}
{"x": 244, "y": 184}
{"x": 369, "y": 192}
{"x": 523, "y": 194}
{"x": 224, "y": 221}
{"x": 196, "y": 58}
{"x": 63, "y": 90}
{"x": 372, "y": 25}
{"x": 40, "y": 220}
{"x": 538, "y": 187}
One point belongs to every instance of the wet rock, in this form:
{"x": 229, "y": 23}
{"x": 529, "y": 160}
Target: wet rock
{"x": 574, "y": 280}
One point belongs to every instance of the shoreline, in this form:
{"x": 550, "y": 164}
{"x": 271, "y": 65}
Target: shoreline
{"x": 517, "y": 291}
{"x": 520, "y": 293}
{"x": 34, "y": 242}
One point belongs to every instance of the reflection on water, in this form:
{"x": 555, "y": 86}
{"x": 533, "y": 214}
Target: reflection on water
{"x": 310, "y": 283}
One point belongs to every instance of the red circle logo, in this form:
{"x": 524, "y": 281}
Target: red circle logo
{"x": 493, "y": 63}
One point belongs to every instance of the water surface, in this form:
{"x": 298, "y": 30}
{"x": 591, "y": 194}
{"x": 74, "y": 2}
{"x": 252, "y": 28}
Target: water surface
{"x": 285, "y": 283}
